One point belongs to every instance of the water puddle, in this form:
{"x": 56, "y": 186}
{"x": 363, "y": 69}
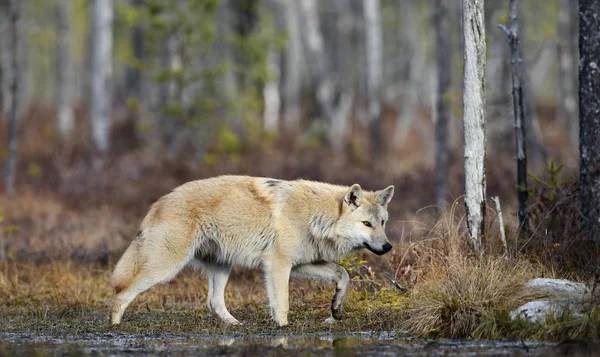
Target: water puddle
{"x": 327, "y": 344}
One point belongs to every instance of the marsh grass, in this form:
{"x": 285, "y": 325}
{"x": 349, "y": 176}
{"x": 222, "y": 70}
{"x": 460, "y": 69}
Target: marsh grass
{"x": 56, "y": 282}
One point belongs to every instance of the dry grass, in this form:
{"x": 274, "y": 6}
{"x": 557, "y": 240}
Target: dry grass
{"x": 453, "y": 302}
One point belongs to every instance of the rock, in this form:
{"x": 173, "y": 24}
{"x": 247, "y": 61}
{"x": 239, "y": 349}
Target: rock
{"x": 537, "y": 311}
{"x": 558, "y": 287}
{"x": 562, "y": 296}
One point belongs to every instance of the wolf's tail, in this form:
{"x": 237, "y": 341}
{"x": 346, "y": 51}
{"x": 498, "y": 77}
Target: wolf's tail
{"x": 128, "y": 265}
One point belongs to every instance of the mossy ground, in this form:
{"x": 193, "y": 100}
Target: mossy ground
{"x": 69, "y": 299}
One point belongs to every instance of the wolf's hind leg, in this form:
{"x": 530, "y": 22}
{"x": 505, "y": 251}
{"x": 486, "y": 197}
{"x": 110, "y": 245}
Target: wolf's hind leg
{"x": 160, "y": 271}
{"x": 218, "y": 275}
{"x": 330, "y": 272}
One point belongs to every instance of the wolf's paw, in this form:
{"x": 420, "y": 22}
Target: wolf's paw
{"x": 232, "y": 321}
{"x": 330, "y": 320}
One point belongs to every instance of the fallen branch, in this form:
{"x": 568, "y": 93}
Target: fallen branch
{"x": 496, "y": 200}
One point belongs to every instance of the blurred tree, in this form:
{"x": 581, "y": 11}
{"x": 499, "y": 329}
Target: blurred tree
{"x": 517, "y": 91}
{"x": 474, "y": 119}
{"x": 444, "y": 68}
{"x": 292, "y": 69}
{"x": 101, "y": 74}
{"x": 334, "y": 102}
{"x": 374, "y": 63}
{"x": 64, "y": 74}
{"x": 11, "y": 167}
{"x": 271, "y": 94}
{"x": 589, "y": 118}
{"x": 567, "y": 101}
{"x": 133, "y": 85}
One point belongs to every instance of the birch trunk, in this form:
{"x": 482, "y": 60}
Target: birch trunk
{"x": 313, "y": 40}
{"x": 567, "y": 103}
{"x": 168, "y": 91}
{"x": 64, "y": 85}
{"x": 442, "y": 105}
{"x": 271, "y": 96}
{"x": 474, "y": 119}
{"x": 517, "y": 92}
{"x": 133, "y": 75}
{"x": 374, "y": 62}
{"x": 291, "y": 75}
{"x": 11, "y": 167}
{"x": 101, "y": 74}
{"x": 589, "y": 118}
{"x": 327, "y": 90}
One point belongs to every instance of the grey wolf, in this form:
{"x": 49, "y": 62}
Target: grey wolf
{"x": 286, "y": 228}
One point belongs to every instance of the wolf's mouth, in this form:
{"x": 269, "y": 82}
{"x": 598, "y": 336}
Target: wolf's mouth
{"x": 386, "y": 248}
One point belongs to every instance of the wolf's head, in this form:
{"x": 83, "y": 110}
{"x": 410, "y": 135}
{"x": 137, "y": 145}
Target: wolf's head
{"x": 363, "y": 219}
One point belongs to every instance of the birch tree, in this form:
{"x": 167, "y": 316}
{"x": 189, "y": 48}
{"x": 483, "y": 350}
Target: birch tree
{"x": 567, "y": 102}
{"x": 292, "y": 73}
{"x": 474, "y": 119}
{"x": 133, "y": 80}
{"x": 374, "y": 62}
{"x": 442, "y": 107}
{"x": 271, "y": 96}
{"x": 64, "y": 81}
{"x": 334, "y": 115}
{"x": 589, "y": 118}
{"x": 11, "y": 167}
{"x": 101, "y": 74}
{"x": 517, "y": 91}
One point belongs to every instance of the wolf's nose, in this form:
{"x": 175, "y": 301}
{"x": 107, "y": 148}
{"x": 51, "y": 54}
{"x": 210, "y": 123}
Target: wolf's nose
{"x": 387, "y": 247}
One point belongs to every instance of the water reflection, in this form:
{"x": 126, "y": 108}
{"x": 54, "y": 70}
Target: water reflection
{"x": 353, "y": 344}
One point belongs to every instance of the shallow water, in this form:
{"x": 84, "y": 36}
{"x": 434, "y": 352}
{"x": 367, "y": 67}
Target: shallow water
{"x": 355, "y": 344}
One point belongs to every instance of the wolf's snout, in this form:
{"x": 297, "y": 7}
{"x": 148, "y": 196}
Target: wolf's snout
{"x": 386, "y": 247}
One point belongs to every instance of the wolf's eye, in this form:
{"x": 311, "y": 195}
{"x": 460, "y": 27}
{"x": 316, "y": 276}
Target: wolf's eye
{"x": 367, "y": 223}
{"x": 382, "y": 223}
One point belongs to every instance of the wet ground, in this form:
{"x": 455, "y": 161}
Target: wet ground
{"x": 355, "y": 344}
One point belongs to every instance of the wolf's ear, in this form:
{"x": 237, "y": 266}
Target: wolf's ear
{"x": 385, "y": 196}
{"x": 353, "y": 196}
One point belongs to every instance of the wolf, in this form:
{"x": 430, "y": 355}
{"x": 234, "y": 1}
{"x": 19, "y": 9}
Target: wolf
{"x": 286, "y": 228}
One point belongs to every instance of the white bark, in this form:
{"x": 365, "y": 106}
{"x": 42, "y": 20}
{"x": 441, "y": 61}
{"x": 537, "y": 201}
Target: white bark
{"x": 101, "y": 74}
{"x": 11, "y": 165}
{"x": 313, "y": 40}
{"x": 64, "y": 85}
{"x": 292, "y": 76}
{"x": 374, "y": 60}
{"x": 567, "y": 102}
{"x": 323, "y": 75}
{"x": 474, "y": 118}
{"x": 271, "y": 96}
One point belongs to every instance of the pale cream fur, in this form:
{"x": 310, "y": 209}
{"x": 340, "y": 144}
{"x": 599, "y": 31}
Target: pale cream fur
{"x": 297, "y": 228}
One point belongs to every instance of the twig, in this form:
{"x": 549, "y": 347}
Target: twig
{"x": 496, "y": 200}
{"x": 395, "y": 283}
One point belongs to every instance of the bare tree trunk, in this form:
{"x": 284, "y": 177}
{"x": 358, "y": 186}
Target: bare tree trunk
{"x": 374, "y": 62}
{"x": 101, "y": 74}
{"x": 442, "y": 107}
{"x": 474, "y": 119}
{"x": 567, "y": 103}
{"x": 327, "y": 88}
{"x": 292, "y": 73}
{"x": 589, "y": 118}
{"x": 271, "y": 96}
{"x": 314, "y": 44}
{"x": 517, "y": 92}
{"x": 168, "y": 91}
{"x": 11, "y": 167}
{"x": 133, "y": 81}
{"x": 64, "y": 85}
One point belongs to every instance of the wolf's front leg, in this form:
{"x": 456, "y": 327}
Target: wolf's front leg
{"x": 277, "y": 273}
{"x": 330, "y": 272}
